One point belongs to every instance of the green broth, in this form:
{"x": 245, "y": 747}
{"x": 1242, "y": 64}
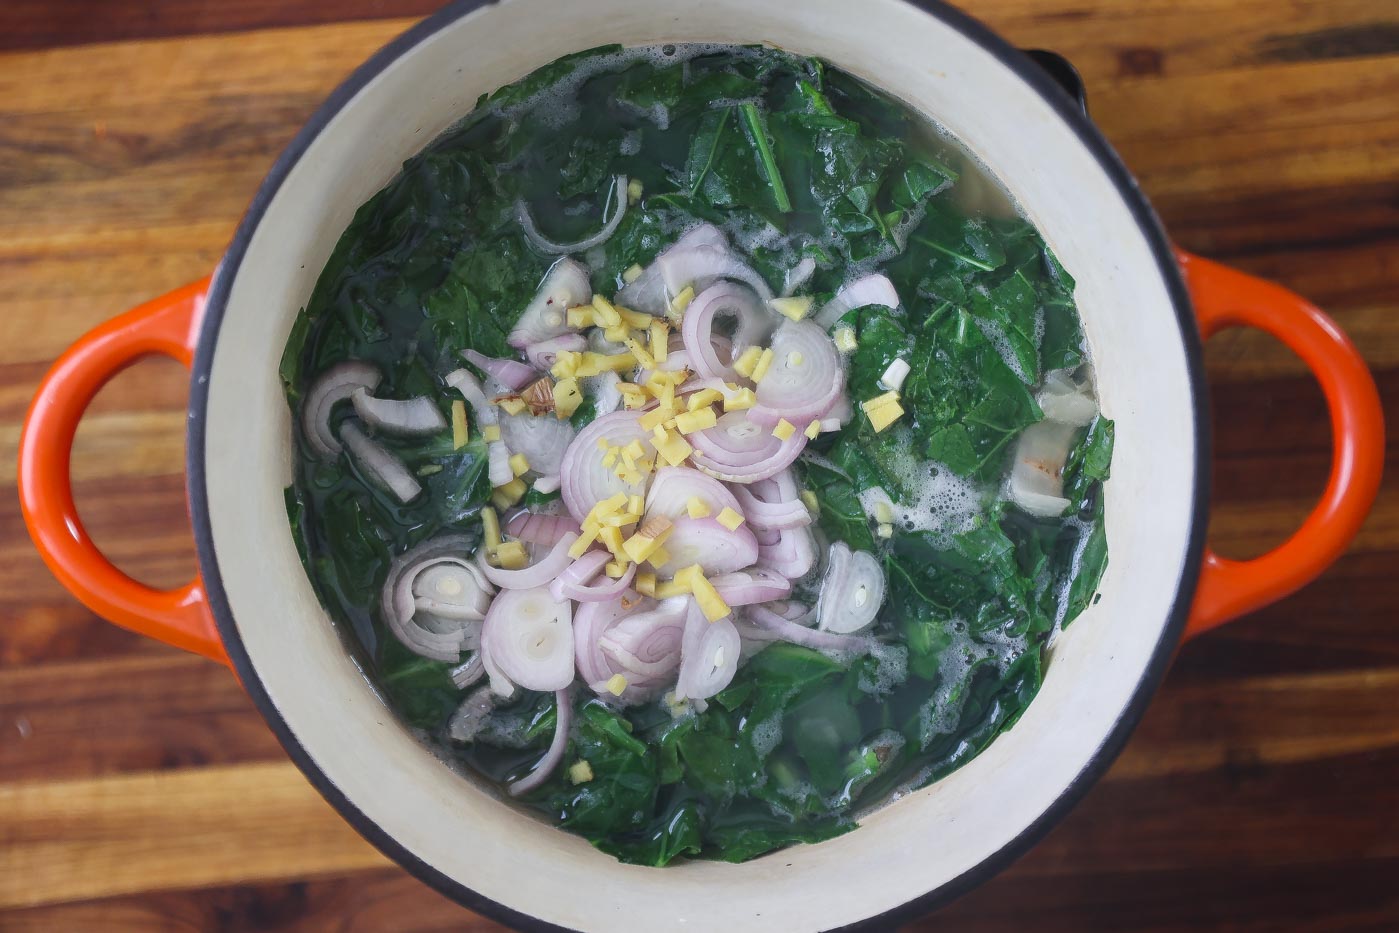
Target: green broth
{"x": 793, "y": 159}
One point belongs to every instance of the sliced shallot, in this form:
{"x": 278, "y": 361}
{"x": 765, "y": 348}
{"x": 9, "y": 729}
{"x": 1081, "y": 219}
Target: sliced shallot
{"x": 851, "y": 591}
{"x": 475, "y": 394}
{"x": 511, "y": 374}
{"x": 546, "y": 245}
{"x": 464, "y": 675}
{"x": 672, "y": 488}
{"x": 527, "y": 640}
{"x": 705, "y": 542}
{"x": 335, "y": 385}
{"x": 379, "y": 465}
{"x": 697, "y": 260}
{"x": 546, "y": 316}
{"x": 737, "y": 450}
{"x": 793, "y": 555}
{"x": 563, "y": 721}
{"x": 709, "y": 655}
{"x": 870, "y": 290}
{"x": 544, "y": 354}
{"x": 586, "y": 481}
{"x": 541, "y": 438}
{"x": 579, "y": 580}
{"x": 546, "y": 530}
{"x": 648, "y": 643}
{"x": 436, "y": 634}
{"x": 777, "y": 509}
{"x": 767, "y": 618}
{"x": 752, "y": 585}
{"x": 536, "y": 575}
{"x": 805, "y": 378}
{"x": 1036, "y": 481}
{"x": 752, "y": 324}
{"x": 412, "y": 417}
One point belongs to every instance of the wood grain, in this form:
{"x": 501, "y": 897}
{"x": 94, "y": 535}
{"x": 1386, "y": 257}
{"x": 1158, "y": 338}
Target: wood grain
{"x": 1258, "y": 792}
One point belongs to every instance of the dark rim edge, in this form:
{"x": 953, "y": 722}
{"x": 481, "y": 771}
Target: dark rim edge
{"x": 1067, "y": 109}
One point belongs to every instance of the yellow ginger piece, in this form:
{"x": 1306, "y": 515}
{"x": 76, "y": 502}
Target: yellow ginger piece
{"x": 695, "y": 420}
{"x": 730, "y": 519}
{"x": 697, "y": 508}
{"x": 784, "y": 430}
{"x": 459, "y": 433}
{"x": 747, "y": 360}
{"x": 795, "y": 307}
{"x": 760, "y": 369}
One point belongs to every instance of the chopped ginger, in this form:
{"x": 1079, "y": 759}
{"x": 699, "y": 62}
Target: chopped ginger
{"x": 784, "y": 430}
{"x": 844, "y": 339}
{"x": 490, "y": 529}
{"x": 580, "y": 772}
{"x": 747, "y": 360}
{"x": 490, "y": 433}
{"x": 581, "y": 316}
{"x": 651, "y": 535}
{"x": 512, "y": 406}
{"x": 614, "y": 569}
{"x": 459, "y": 435}
{"x": 643, "y": 355}
{"x": 511, "y": 555}
{"x": 813, "y": 429}
{"x": 633, "y": 191}
{"x": 710, "y": 602}
{"x": 566, "y": 364}
{"x": 668, "y": 588}
{"x": 567, "y": 397}
{"x": 519, "y": 464}
{"x": 674, "y": 449}
{"x": 645, "y": 583}
{"x": 604, "y": 313}
{"x": 812, "y": 503}
{"x": 884, "y": 530}
{"x": 655, "y": 418}
{"x": 884, "y": 415}
{"x": 660, "y": 341}
{"x": 616, "y": 684}
{"x": 795, "y": 308}
{"x": 631, "y": 273}
{"x": 760, "y": 369}
{"x": 585, "y": 541}
{"x": 740, "y": 400}
{"x": 681, "y": 301}
{"x": 695, "y": 420}
{"x": 886, "y": 398}
{"x": 697, "y": 507}
{"x": 703, "y": 398}
{"x": 502, "y": 497}
{"x": 730, "y": 519}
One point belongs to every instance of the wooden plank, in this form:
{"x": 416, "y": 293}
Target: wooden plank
{"x": 126, "y": 715}
{"x": 71, "y": 840}
{"x": 1232, "y": 749}
{"x": 37, "y": 24}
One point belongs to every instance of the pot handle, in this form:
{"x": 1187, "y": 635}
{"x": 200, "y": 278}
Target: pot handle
{"x": 1224, "y": 298}
{"x": 165, "y": 325}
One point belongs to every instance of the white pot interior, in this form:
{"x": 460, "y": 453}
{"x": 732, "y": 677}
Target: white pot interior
{"x": 461, "y": 828}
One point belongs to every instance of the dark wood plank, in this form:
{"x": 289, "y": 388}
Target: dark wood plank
{"x": 39, "y": 24}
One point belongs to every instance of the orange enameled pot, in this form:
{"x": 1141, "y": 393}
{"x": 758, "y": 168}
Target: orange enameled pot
{"x": 1145, "y": 307}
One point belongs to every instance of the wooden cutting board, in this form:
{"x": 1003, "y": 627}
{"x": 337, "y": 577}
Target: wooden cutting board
{"x": 139, "y": 790}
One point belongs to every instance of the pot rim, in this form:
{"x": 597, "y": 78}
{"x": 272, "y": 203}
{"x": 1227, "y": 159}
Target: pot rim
{"x": 1066, "y": 108}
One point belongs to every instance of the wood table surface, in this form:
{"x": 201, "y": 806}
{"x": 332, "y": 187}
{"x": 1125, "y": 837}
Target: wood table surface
{"x": 139, "y": 789}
